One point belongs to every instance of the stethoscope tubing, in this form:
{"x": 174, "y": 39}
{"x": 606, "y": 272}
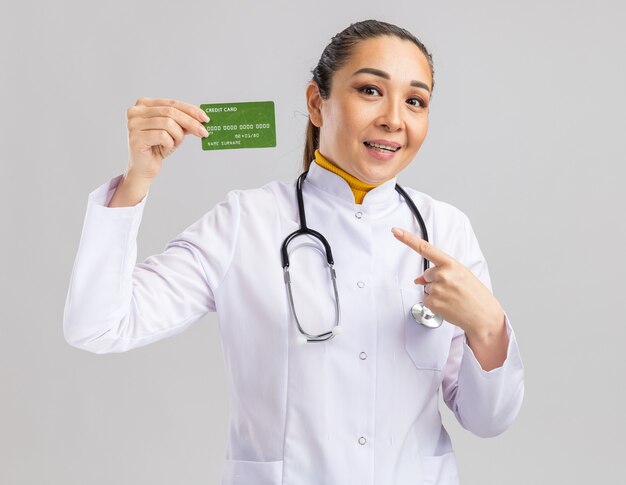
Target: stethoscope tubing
{"x": 419, "y": 311}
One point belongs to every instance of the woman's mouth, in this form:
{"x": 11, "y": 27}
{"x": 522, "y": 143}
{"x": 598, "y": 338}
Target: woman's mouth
{"x": 381, "y": 147}
{"x": 382, "y": 151}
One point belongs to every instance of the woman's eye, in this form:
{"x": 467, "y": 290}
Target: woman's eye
{"x": 369, "y": 90}
{"x": 417, "y": 102}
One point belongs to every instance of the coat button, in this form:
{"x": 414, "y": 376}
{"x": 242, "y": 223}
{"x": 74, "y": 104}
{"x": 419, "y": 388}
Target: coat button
{"x": 362, "y": 440}
{"x": 360, "y": 284}
{"x": 358, "y": 214}
{"x": 363, "y": 355}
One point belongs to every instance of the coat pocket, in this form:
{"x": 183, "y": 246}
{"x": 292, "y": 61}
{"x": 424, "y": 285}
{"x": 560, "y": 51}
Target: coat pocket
{"x": 242, "y": 472}
{"x": 440, "y": 470}
{"x": 427, "y": 347}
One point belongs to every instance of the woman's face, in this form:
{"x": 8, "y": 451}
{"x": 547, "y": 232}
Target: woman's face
{"x": 380, "y": 96}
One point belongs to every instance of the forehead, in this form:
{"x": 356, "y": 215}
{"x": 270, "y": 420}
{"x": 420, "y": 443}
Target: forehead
{"x": 401, "y": 58}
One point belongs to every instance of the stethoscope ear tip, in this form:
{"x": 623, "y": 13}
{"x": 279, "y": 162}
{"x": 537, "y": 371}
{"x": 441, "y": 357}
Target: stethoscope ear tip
{"x": 302, "y": 340}
{"x": 337, "y": 330}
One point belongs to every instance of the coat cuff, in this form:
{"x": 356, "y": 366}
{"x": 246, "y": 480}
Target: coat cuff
{"x": 99, "y": 200}
{"x": 513, "y": 357}
{"x": 489, "y": 401}
{"x": 107, "y": 251}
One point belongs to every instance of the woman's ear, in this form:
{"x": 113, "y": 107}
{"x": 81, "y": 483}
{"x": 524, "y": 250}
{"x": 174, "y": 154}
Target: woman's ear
{"x": 314, "y": 103}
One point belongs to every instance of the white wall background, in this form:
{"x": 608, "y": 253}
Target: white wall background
{"x": 526, "y": 137}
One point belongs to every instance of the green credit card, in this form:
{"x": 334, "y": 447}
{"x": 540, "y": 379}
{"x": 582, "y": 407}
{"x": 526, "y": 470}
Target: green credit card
{"x": 240, "y": 125}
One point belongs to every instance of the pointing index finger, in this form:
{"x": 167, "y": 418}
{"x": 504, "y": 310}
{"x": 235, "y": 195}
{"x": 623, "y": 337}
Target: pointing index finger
{"x": 422, "y": 247}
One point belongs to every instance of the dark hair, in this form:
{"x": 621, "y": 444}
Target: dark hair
{"x": 337, "y": 53}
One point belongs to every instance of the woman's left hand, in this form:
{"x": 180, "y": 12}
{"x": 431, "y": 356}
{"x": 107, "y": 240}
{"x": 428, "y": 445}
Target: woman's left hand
{"x": 454, "y": 292}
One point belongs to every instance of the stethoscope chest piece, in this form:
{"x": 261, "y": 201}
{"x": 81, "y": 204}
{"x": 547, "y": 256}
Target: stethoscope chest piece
{"x": 423, "y": 315}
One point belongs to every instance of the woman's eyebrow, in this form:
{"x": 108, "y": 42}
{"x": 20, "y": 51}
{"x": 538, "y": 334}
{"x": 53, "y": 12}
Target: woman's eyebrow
{"x": 383, "y": 74}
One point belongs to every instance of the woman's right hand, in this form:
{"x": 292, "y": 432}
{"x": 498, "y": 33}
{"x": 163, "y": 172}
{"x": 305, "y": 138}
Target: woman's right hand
{"x": 156, "y": 127}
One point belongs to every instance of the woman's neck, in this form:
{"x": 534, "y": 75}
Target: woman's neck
{"x": 359, "y": 188}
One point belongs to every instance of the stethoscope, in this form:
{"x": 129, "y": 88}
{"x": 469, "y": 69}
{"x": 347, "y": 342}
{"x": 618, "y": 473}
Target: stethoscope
{"x": 420, "y": 312}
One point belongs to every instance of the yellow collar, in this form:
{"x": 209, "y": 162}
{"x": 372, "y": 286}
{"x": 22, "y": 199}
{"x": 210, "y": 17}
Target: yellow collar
{"x": 359, "y": 188}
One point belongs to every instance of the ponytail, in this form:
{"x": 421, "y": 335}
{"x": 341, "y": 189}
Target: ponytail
{"x": 310, "y": 145}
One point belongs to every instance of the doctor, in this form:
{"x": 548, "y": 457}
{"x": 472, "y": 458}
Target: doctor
{"x": 361, "y": 407}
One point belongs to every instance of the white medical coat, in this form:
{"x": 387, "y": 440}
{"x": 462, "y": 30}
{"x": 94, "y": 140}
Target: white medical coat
{"x": 361, "y": 408}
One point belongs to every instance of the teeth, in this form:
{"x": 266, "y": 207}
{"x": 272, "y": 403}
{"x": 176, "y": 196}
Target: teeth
{"x": 384, "y": 147}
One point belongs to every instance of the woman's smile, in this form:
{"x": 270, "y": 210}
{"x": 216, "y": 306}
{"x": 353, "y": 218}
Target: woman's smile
{"x": 382, "y": 149}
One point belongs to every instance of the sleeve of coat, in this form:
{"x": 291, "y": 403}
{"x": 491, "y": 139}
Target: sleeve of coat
{"x": 115, "y": 304}
{"x": 484, "y": 402}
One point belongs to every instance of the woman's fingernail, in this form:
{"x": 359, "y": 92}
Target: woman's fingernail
{"x": 397, "y": 232}
{"x": 205, "y": 117}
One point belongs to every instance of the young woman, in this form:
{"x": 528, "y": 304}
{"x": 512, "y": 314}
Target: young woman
{"x": 358, "y": 405}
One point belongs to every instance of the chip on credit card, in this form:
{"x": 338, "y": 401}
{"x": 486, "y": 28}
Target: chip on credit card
{"x": 240, "y": 125}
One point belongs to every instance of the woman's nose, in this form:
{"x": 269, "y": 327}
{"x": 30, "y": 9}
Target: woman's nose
{"x": 391, "y": 117}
